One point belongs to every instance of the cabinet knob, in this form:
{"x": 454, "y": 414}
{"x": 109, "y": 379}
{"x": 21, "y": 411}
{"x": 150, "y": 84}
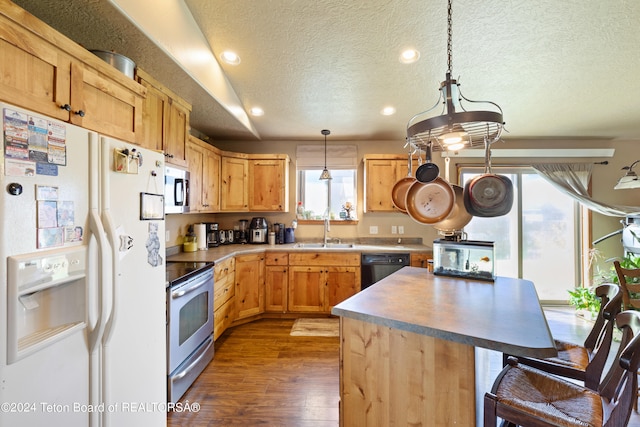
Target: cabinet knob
{"x": 80, "y": 113}
{"x": 168, "y": 155}
{"x": 66, "y": 107}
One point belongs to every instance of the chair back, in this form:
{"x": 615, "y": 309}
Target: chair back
{"x": 618, "y": 389}
{"x": 602, "y": 332}
{"x": 629, "y": 279}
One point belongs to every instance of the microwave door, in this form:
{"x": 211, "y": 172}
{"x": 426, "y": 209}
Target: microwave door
{"x": 178, "y": 192}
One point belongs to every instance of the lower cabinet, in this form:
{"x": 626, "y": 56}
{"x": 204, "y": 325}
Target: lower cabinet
{"x": 249, "y": 293}
{"x": 223, "y": 296}
{"x": 421, "y": 259}
{"x": 317, "y": 282}
{"x": 276, "y": 279}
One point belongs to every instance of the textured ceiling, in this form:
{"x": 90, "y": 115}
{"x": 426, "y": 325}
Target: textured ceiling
{"x": 565, "y": 69}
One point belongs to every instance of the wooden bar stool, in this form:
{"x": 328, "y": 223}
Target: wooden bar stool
{"x": 522, "y": 395}
{"x": 586, "y": 362}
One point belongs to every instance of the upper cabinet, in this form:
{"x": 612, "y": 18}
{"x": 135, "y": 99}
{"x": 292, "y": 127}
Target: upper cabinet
{"x": 268, "y": 183}
{"x": 204, "y": 165}
{"x": 234, "y": 182}
{"x": 47, "y": 73}
{"x": 166, "y": 118}
{"x": 381, "y": 172}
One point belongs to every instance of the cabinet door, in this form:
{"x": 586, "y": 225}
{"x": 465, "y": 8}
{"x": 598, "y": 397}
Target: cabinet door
{"x": 154, "y": 110}
{"x": 233, "y": 195}
{"x": 275, "y": 281}
{"x": 267, "y": 185}
{"x": 342, "y": 283}
{"x": 35, "y": 74}
{"x": 211, "y": 181}
{"x": 102, "y": 105}
{"x": 306, "y": 288}
{"x": 195, "y": 159}
{"x": 380, "y": 177}
{"x": 177, "y": 133}
{"x": 249, "y": 293}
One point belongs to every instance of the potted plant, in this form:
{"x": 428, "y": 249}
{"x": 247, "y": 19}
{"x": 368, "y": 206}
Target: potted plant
{"x": 585, "y": 301}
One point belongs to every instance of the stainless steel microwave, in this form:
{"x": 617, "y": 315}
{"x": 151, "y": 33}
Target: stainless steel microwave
{"x": 176, "y": 190}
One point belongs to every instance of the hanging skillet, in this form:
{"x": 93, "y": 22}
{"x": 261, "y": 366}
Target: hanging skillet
{"x": 399, "y": 191}
{"x": 428, "y": 171}
{"x": 459, "y": 217}
{"x": 488, "y": 195}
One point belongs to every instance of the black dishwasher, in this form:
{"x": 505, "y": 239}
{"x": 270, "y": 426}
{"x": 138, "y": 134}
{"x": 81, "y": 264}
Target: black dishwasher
{"x": 377, "y": 266}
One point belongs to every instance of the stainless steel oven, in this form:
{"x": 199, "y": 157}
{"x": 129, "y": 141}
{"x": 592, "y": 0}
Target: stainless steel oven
{"x": 189, "y": 324}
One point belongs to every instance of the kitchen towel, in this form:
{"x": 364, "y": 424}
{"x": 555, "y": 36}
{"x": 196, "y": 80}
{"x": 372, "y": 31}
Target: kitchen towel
{"x": 201, "y": 236}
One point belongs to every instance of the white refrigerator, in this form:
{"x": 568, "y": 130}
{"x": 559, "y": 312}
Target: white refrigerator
{"x": 82, "y": 277}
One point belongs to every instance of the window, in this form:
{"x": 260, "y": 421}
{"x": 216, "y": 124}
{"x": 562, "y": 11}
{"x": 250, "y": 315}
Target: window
{"x": 327, "y": 197}
{"x": 539, "y": 239}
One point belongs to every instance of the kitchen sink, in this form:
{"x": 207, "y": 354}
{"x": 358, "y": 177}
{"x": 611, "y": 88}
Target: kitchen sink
{"x": 324, "y": 246}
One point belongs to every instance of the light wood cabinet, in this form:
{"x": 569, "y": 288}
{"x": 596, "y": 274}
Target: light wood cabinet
{"x": 276, "y": 282}
{"x": 420, "y": 259}
{"x": 166, "y": 120}
{"x": 319, "y": 281}
{"x": 381, "y": 172}
{"x": 268, "y": 183}
{"x": 249, "y": 293}
{"x": 223, "y": 296}
{"x": 234, "y": 171}
{"x": 204, "y": 166}
{"x": 47, "y": 73}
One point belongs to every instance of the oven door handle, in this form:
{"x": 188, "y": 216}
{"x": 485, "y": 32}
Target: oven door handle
{"x": 182, "y": 292}
{"x": 186, "y": 370}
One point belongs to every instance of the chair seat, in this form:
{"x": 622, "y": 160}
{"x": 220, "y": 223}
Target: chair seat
{"x": 571, "y": 355}
{"x": 549, "y": 398}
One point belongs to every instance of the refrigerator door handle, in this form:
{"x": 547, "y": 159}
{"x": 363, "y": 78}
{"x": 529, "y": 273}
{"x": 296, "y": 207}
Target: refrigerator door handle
{"x": 97, "y": 229}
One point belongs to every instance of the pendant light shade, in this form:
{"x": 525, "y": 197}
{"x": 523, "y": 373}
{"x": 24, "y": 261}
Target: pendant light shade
{"x": 325, "y": 172}
{"x": 456, "y": 124}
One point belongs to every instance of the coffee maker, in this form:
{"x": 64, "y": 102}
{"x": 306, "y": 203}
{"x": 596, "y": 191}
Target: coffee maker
{"x": 258, "y": 230}
{"x": 213, "y": 235}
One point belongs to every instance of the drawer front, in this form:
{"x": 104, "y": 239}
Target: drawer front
{"x": 223, "y": 317}
{"x": 343, "y": 259}
{"x": 223, "y": 290}
{"x": 277, "y": 258}
{"x": 224, "y": 268}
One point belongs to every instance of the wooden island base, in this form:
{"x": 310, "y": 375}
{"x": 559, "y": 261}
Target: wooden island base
{"x": 394, "y": 377}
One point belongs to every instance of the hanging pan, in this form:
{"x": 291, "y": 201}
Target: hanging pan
{"x": 399, "y": 191}
{"x": 428, "y": 171}
{"x": 430, "y": 202}
{"x": 459, "y": 217}
{"x": 488, "y": 195}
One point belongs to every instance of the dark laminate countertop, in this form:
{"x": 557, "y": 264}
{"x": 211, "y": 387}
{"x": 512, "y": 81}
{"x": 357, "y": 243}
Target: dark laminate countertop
{"x": 504, "y": 315}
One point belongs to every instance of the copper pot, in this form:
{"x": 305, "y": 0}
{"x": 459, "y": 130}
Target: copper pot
{"x": 430, "y": 202}
{"x": 459, "y": 216}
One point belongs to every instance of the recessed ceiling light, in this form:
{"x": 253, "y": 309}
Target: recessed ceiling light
{"x": 409, "y": 56}
{"x": 256, "y": 111}
{"x": 388, "y": 111}
{"x": 230, "y": 57}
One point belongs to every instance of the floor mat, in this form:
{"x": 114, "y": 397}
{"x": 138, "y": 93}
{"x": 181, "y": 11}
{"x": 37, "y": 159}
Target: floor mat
{"x": 325, "y": 327}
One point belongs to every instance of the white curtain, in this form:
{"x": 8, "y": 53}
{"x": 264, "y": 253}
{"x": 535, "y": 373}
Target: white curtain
{"x": 573, "y": 179}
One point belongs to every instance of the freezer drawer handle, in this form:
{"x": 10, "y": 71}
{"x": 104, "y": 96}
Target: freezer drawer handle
{"x": 195, "y": 362}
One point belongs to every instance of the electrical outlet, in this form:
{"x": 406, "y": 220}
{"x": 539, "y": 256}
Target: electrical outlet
{"x": 373, "y": 229}
{"x": 401, "y": 229}
{"x": 394, "y": 229}
{"x": 167, "y": 236}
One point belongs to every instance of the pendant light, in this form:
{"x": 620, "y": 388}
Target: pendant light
{"x": 630, "y": 179}
{"x": 325, "y": 172}
{"x": 456, "y": 127}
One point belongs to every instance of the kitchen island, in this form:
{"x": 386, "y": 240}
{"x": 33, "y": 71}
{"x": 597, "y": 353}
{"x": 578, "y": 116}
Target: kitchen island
{"x": 407, "y": 353}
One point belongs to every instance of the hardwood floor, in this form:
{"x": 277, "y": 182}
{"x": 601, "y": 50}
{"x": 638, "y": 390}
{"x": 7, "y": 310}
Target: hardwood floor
{"x": 262, "y": 376}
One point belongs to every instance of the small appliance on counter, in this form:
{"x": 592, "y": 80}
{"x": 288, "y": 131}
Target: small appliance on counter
{"x": 469, "y": 259}
{"x": 242, "y": 231}
{"x": 213, "y": 237}
{"x": 278, "y": 229}
{"x": 258, "y": 230}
